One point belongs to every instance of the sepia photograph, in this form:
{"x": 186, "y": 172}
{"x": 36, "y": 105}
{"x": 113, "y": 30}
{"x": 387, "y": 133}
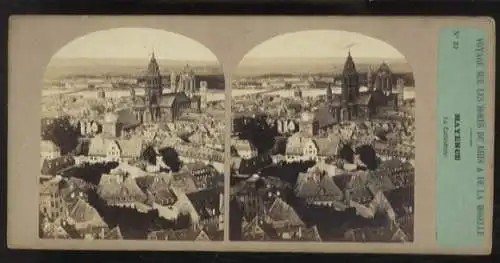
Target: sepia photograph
{"x": 322, "y": 141}
{"x": 132, "y": 139}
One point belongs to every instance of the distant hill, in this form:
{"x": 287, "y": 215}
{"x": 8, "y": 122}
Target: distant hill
{"x": 133, "y": 67}
{"x": 258, "y": 66}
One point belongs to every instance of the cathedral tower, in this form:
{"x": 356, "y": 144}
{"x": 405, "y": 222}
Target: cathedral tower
{"x": 153, "y": 87}
{"x": 383, "y": 79}
{"x": 173, "y": 79}
{"x": 329, "y": 93}
{"x": 203, "y": 95}
{"x": 400, "y": 87}
{"x": 369, "y": 79}
{"x": 350, "y": 81}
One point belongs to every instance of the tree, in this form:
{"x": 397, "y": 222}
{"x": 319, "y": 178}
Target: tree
{"x": 171, "y": 158}
{"x": 62, "y": 133}
{"x": 149, "y": 155}
{"x": 368, "y": 156}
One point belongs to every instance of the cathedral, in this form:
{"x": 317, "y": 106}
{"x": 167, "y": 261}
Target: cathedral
{"x": 159, "y": 106}
{"x": 355, "y": 105}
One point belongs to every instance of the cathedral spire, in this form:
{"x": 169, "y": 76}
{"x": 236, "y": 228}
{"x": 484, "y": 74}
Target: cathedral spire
{"x": 349, "y": 67}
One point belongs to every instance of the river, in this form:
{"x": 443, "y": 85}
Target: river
{"x": 213, "y": 95}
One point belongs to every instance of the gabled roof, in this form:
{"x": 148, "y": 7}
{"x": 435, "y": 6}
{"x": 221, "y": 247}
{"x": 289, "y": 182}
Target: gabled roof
{"x": 127, "y": 118}
{"x": 83, "y": 212}
{"x": 131, "y": 148}
{"x": 311, "y": 234}
{"x": 406, "y": 223}
{"x": 128, "y": 191}
{"x": 364, "y": 99}
{"x": 327, "y": 146}
{"x": 281, "y": 211}
{"x": 49, "y": 188}
{"x": 206, "y": 202}
{"x": 114, "y": 234}
{"x": 379, "y": 234}
{"x": 242, "y": 145}
{"x": 187, "y": 235}
{"x": 184, "y": 182}
{"x": 98, "y": 146}
{"x": 161, "y": 192}
{"x": 57, "y": 165}
{"x": 359, "y": 191}
{"x": 384, "y": 68}
{"x": 320, "y": 188}
{"x": 324, "y": 117}
{"x": 168, "y": 99}
{"x": 294, "y": 145}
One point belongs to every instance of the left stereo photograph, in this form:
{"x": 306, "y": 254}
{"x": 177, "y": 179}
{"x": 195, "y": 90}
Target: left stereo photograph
{"x": 132, "y": 139}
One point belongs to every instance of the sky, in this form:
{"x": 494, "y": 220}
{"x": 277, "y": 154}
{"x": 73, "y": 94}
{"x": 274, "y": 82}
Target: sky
{"x": 323, "y": 43}
{"x": 135, "y": 43}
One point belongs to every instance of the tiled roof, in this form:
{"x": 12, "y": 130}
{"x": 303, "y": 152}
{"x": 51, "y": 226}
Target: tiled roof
{"x": 364, "y": 99}
{"x": 281, "y": 211}
{"x": 324, "y": 117}
{"x": 114, "y": 234}
{"x": 311, "y": 234}
{"x": 236, "y": 163}
{"x": 83, "y": 212}
{"x": 194, "y": 166}
{"x": 406, "y": 224}
{"x": 184, "y": 182}
{"x": 160, "y": 189}
{"x": 384, "y": 68}
{"x": 187, "y": 234}
{"x": 98, "y": 146}
{"x": 131, "y": 148}
{"x": 207, "y": 202}
{"x": 327, "y": 146}
{"x": 49, "y": 188}
{"x": 359, "y": 191}
{"x": 168, "y": 99}
{"x": 127, "y": 118}
{"x": 242, "y": 145}
{"x": 294, "y": 145}
{"x": 319, "y": 187}
{"x": 379, "y": 234}
{"x": 126, "y": 192}
{"x": 54, "y": 166}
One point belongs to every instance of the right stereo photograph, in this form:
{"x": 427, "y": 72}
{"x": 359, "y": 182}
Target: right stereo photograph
{"x": 322, "y": 141}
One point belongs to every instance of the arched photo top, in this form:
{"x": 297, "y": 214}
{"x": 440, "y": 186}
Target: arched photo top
{"x": 320, "y": 51}
{"x": 311, "y": 61}
{"x": 118, "y": 64}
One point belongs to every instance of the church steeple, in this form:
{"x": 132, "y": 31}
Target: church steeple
{"x": 153, "y": 79}
{"x": 153, "y": 68}
{"x": 349, "y": 67}
{"x": 350, "y": 81}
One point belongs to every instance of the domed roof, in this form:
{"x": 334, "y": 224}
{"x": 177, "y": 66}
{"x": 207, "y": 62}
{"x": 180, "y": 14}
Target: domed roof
{"x": 384, "y": 68}
{"x": 110, "y": 117}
